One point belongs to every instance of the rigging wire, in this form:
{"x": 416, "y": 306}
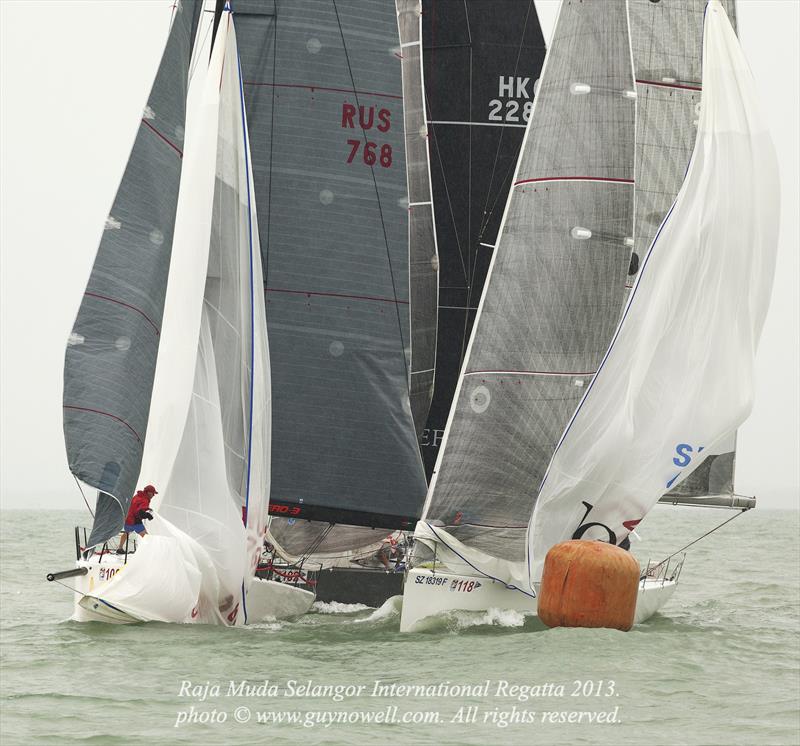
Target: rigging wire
{"x": 736, "y": 515}
{"x": 88, "y": 507}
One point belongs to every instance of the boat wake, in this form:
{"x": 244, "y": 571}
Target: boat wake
{"x": 336, "y": 607}
{"x": 389, "y": 610}
{"x": 461, "y": 621}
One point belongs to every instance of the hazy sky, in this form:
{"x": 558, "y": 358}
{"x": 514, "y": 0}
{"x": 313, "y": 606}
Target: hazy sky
{"x": 75, "y": 77}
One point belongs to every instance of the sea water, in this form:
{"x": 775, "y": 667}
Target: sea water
{"x": 719, "y": 665}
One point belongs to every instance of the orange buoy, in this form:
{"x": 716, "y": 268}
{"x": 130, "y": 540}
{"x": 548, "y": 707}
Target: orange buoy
{"x": 588, "y": 584}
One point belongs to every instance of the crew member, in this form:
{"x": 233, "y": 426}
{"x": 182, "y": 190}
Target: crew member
{"x": 138, "y": 512}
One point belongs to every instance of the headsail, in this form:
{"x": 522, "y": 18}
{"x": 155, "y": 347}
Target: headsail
{"x": 554, "y": 290}
{"x": 323, "y": 88}
{"x": 677, "y": 379}
{"x": 112, "y": 350}
{"x": 222, "y": 471}
{"x": 667, "y": 41}
{"x": 482, "y": 61}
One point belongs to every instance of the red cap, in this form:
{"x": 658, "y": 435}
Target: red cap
{"x": 150, "y": 490}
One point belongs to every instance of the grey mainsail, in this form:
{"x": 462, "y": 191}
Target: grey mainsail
{"x": 324, "y": 97}
{"x": 667, "y": 40}
{"x": 554, "y": 290}
{"x": 111, "y": 354}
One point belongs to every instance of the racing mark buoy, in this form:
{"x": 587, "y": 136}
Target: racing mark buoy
{"x": 588, "y": 584}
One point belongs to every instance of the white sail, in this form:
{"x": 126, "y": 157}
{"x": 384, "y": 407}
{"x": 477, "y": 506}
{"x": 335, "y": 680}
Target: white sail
{"x": 219, "y": 475}
{"x": 678, "y": 375}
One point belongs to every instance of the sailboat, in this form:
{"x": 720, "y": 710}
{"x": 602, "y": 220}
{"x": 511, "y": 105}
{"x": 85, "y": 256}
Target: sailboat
{"x": 167, "y": 369}
{"x": 600, "y": 430}
{"x": 336, "y": 114}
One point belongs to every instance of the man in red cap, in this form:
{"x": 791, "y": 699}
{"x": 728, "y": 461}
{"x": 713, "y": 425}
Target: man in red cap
{"x": 137, "y": 513}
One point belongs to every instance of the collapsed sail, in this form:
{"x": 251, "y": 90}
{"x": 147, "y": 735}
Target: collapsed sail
{"x": 555, "y": 286}
{"x": 111, "y": 354}
{"x": 677, "y": 378}
{"x": 323, "y": 88}
{"x": 666, "y": 41}
{"x": 482, "y": 60}
{"x": 219, "y": 472}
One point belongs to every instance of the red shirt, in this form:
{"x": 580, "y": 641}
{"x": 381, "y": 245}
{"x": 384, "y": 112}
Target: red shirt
{"x": 140, "y": 502}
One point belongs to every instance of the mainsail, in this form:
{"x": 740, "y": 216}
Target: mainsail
{"x": 677, "y": 379}
{"x": 554, "y": 289}
{"x": 324, "y": 94}
{"x": 112, "y": 350}
{"x": 482, "y": 60}
{"x": 666, "y": 39}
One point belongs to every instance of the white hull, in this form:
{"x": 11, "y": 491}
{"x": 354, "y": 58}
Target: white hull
{"x": 89, "y": 603}
{"x": 267, "y": 600}
{"x": 427, "y": 595}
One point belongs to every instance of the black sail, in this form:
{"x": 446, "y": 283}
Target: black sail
{"x": 111, "y": 353}
{"x": 482, "y": 59}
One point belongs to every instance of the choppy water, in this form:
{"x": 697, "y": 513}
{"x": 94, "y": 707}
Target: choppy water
{"x": 721, "y": 665}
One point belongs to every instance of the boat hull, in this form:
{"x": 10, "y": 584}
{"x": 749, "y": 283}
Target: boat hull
{"x": 429, "y": 594}
{"x": 358, "y": 585}
{"x": 268, "y": 600}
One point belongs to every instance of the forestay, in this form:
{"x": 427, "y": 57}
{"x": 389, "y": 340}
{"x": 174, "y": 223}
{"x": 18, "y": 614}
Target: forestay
{"x": 553, "y": 295}
{"x": 678, "y": 376}
{"x": 111, "y": 355}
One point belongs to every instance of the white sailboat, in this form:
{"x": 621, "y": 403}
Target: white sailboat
{"x": 676, "y": 379}
{"x": 206, "y": 408}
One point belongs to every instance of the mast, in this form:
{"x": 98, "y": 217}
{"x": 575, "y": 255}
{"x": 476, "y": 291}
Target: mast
{"x": 554, "y": 289}
{"x": 482, "y": 61}
{"x": 111, "y": 354}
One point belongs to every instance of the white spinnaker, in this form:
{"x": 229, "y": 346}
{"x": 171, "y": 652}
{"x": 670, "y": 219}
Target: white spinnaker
{"x": 222, "y": 462}
{"x": 180, "y": 328}
{"x": 678, "y": 375}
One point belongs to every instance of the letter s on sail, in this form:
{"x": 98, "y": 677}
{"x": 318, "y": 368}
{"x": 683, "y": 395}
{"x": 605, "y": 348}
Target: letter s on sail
{"x": 683, "y": 450}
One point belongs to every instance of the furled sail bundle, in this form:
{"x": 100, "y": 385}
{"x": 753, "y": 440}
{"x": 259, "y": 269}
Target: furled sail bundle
{"x": 666, "y": 41}
{"x": 482, "y": 59}
{"x": 552, "y": 296}
{"x": 111, "y": 355}
{"x": 324, "y": 82}
{"x": 677, "y": 378}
